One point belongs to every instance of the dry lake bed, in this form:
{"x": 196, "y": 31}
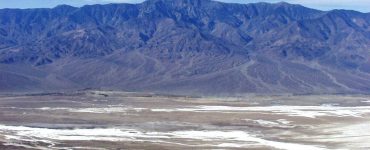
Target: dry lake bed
{"x": 119, "y": 120}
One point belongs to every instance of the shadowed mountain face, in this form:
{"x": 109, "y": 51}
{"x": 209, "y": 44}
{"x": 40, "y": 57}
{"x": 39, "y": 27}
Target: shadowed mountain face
{"x": 186, "y": 47}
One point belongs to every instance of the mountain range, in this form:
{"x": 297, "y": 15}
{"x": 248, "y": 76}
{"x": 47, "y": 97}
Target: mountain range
{"x": 199, "y": 47}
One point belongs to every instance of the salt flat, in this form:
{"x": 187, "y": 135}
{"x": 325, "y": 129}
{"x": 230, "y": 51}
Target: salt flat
{"x": 113, "y": 120}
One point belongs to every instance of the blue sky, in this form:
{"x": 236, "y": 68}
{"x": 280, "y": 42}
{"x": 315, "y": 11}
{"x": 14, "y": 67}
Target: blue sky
{"x": 359, "y": 5}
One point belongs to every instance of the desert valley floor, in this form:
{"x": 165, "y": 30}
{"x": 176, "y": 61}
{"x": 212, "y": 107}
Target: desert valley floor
{"x": 121, "y": 120}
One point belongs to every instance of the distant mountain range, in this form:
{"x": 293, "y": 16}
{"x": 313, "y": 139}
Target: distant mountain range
{"x": 186, "y": 47}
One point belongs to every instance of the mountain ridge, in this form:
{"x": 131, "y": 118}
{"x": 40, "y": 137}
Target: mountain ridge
{"x": 186, "y": 47}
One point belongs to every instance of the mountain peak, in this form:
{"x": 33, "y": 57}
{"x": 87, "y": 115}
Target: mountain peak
{"x": 178, "y": 2}
{"x": 63, "y": 6}
{"x": 283, "y": 3}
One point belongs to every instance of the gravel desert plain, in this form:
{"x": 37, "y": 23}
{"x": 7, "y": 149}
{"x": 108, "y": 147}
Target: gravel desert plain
{"x": 89, "y": 120}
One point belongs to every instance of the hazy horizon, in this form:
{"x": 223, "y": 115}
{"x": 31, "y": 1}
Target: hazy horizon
{"x": 357, "y": 5}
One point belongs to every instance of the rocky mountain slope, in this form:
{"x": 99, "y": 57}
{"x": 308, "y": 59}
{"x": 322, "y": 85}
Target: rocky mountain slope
{"x": 186, "y": 47}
